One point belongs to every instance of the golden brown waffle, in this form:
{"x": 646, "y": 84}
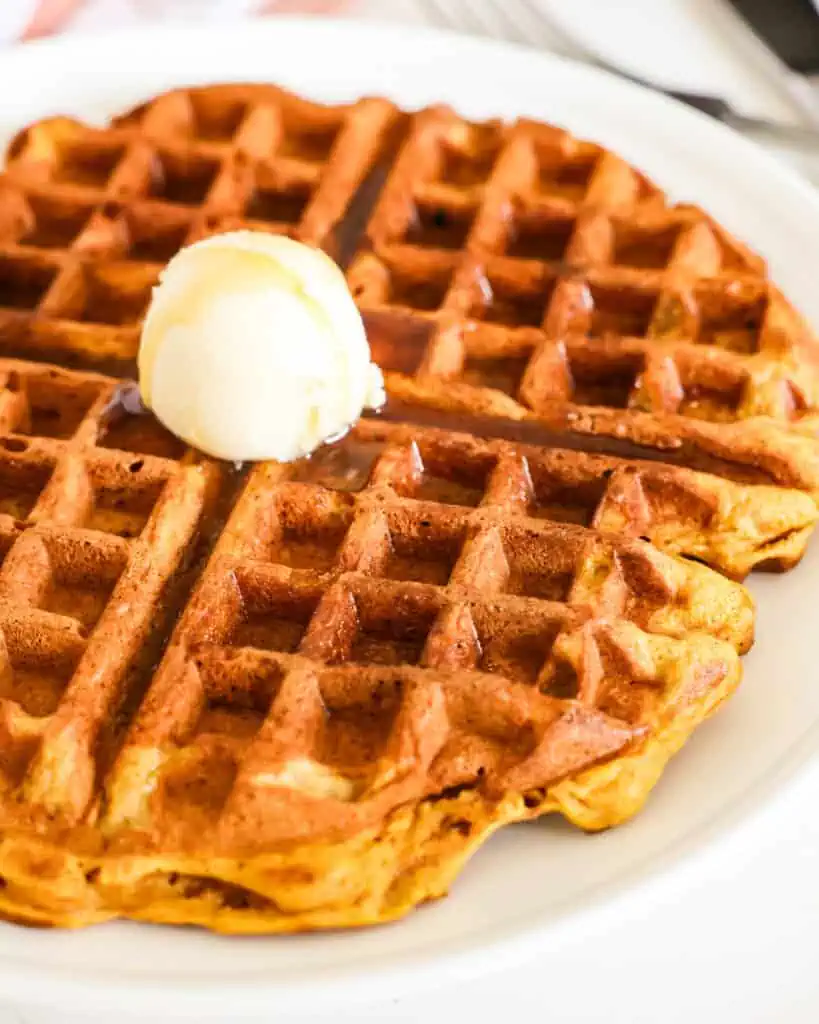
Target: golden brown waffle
{"x": 301, "y": 696}
{"x": 509, "y": 270}
{"x": 95, "y": 539}
{"x": 522, "y": 274}
{"x": 731, "y": 527}
{"x": 88, "y": 216}
{"x": 373, "y": 673}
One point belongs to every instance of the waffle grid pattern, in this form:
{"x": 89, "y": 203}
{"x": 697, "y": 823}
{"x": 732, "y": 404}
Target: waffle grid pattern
{"x": 301, "y": 696}
{"x": 91, "y": 535}
{"x": 350, "y": 649}
{"x": 91, "y": 215}
{"x": 731, "y": 527}
{"x": 521, "y": 271}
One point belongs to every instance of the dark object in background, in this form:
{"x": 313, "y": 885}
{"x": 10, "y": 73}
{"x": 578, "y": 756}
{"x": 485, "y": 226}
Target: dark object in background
{"x": 789, "y": 27}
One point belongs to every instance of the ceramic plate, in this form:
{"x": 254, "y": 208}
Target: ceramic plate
{"x": 532, "y": 886}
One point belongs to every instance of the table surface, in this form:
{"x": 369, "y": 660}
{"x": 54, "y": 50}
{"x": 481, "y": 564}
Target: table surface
{"x": 770, "y": 866}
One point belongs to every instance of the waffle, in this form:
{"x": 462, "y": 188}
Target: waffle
{"x": 734, "y": 528}
{"x": 509, "y": 270}
{"x": 300, "y": 696}
{"x": 91, "y": 215}
{"x": 368, "y": 678}
{"x": 520, "y": 273}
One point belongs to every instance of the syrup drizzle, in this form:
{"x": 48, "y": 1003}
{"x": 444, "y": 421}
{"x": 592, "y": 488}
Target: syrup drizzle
{"x": 532, "y": 432}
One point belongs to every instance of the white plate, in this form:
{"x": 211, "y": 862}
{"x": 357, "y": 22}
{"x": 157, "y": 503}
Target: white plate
{"x": 532, "y": 887}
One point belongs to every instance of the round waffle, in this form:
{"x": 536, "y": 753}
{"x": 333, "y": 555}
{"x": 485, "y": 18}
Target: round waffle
{"x": 292, "y": 697}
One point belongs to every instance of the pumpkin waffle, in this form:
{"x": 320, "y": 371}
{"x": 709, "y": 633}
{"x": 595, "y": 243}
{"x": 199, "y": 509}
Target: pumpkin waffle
{"x": 507, "y": 272}
{"x": 89, "y": 216}
{"x": 300, "y": 696}
{"x": 731, "y": 527}
{"x": 387, "y": 656}
{"x": 517, "y": 272}
{"x": 511, "y": 270}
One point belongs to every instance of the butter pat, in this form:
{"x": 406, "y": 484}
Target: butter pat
{"x": 253, "y": 349}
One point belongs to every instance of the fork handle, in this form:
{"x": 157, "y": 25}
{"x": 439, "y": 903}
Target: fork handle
{"x": 798, "y": 136}
{"x": 714, "y": 106}
{"x": 794, "y": 135}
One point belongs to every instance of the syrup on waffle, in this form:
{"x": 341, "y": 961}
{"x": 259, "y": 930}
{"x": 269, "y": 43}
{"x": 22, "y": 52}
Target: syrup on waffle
{"x": 300, "y": 697}
{"x": 731, "y": 527}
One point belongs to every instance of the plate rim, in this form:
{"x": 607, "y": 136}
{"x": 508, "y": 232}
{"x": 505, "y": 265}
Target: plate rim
{"x": 47, "y": 985}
